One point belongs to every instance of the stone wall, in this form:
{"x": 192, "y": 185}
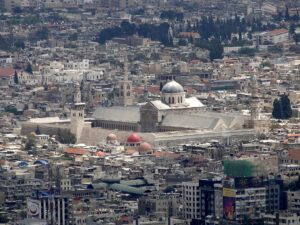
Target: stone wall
{"x": 93, "y": 136}
{"x": 50, "y": 129}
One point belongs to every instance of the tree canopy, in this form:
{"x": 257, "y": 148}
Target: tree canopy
{"x": 65, "y": 137}
{"x": 282, "y": 108}
{"x": 154, "y": 32}
{"x": 171, "y": 15}
{"x": 28, "y": 68}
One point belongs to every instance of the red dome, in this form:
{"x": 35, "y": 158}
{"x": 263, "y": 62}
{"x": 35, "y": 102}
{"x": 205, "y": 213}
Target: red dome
{"x": 100, "y": 154}
{"x": 134, "y": 138}
{"x": 145, "y": 147}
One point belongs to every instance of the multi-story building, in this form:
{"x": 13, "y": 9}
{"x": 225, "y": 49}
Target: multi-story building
{"x": 163, "y": 204}
{"x": 18, "y": 187}
{"x": 271, "y": 37}
{"x": 250, "y": 201}
{"x": 281, "y": 218}
{"x": 250, "y": 197}
{"x": 293, "y": 199}
{"x": 190, "y": 200}
{"x": 56, "y": 209}
{"x": 199, "y": 199}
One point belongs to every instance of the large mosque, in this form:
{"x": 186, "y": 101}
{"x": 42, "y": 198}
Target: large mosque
{"x": 174, "y": 119}
{"x": 173, "y": 112}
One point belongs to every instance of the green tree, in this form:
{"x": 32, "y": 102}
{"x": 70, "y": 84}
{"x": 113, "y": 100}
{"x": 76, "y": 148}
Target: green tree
{"x": 286, "y": 107}
{"x": 247, "y": 51}
{"x": 17, "y": 10}
{"x": 216, "y": 49}
{"x": 16, "y": 78}
{"x": 28, "y": 68}
{"x": 296, "y": 38}
{"x": 30, "y": 143}
{"x": 37, "y": 130}
{"x": 287, "y": 14}
{"x": 182, "y": 42}
{"x": 277, "y": 109}
{"x": 42, "y": 34}
{"x": 66, "y": 137}
{"x": 128, "y": 29}
{"x": 292, "y": 28}
{"x": 172, "y": 15}
{"x": 20, "y": 44}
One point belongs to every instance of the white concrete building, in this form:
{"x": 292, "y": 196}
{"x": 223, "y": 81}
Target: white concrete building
{"x": 293, "y": 201}
{"x": 281, "y": 219}
{"x": 250, "y": 201}
{"x": 191, "y": 202}
{"x": 275, "y": 37}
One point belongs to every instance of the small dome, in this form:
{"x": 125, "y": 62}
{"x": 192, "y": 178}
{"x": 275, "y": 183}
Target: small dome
{"x": 111, "y": 137}
{"x": 172, "y": 87}
{"x": 100, "y": 154}
{"x": 134, "y": 138}
{"x": 145, "y": 148}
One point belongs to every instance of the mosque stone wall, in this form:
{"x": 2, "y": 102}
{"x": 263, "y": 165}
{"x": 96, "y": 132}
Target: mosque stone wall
{"x": 93, "y": 136}
{"x": 50, "y": 129}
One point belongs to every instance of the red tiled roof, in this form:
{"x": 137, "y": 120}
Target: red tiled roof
{"x": 279, "y": 31}
{"x": 75, "y": 151}
{"x": 293, "y": 135}
{"x": 188, "y": 34}
{"x": 294, "y": 154}
{"x": 6, "y": 72}
{"x": 153, "y": 89}
{"x": 138, "y": 90}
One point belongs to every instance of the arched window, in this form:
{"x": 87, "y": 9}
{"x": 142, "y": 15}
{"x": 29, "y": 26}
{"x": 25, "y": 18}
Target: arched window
{"x": 169, "y": 100}
{"x": 128, "y": 93}
{"x": 181, "y": 99}
{"x": 173, "y": 100}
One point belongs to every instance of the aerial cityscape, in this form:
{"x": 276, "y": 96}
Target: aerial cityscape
{"x": 150, "y": 112}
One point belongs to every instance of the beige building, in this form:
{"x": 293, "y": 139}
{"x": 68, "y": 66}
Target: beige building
{"x": 125, "y": 97}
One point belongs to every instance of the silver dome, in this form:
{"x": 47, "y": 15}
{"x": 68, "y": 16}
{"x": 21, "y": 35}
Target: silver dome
{"x": 172, "y": 87}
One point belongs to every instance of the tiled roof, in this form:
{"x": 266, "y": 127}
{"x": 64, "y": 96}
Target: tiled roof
{"x": 5, "y": 72}
{"x": 294, "y": 154}
{"x": 293, "y": 135}
{"x": 279, "y": 31}
{"x": 75, "y": 151}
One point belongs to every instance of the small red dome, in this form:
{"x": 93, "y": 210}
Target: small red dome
{"x": 100, "y": 154}
{"x": 145, "y": 147}
{"x": 134, "y": 138}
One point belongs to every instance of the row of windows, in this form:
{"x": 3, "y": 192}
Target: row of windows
{"x": 128, "y": 94}
{"x": 171, "y": 100}
{"x": 128, "y": 87}
{"x": 114, "y": 126}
